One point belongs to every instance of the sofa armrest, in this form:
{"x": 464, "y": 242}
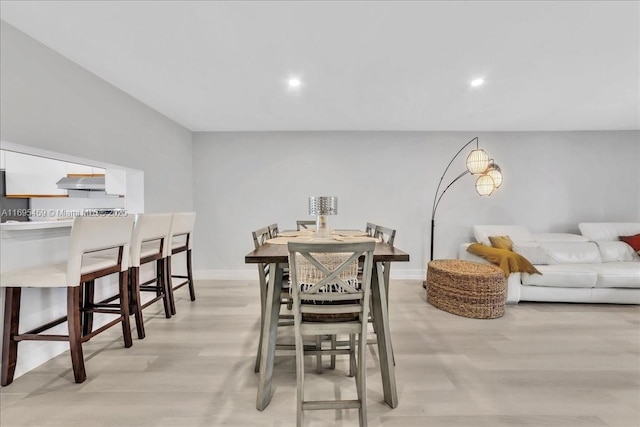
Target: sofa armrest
{"x": 514, "y": 283}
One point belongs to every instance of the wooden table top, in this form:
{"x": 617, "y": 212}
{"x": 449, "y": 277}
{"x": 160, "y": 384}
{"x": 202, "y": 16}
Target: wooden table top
{"x": 270, "y": 253}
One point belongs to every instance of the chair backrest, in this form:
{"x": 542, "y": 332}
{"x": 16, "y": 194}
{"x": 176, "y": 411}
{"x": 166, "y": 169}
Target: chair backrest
{"x": 273, "y": 230}
{"x": 150, "y": 228}
{"x": 182, "y": 224}
{"x": 328, "y": 272}
{"x": 370, "y": 229}
{"x": 388, "y": 235}
{"x": 98, "y": 233}
{"x": 305, "y": 223}
{"x": 260, "y": 236}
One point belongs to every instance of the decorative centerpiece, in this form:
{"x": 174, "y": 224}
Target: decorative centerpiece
{"x": 322, "y": 206}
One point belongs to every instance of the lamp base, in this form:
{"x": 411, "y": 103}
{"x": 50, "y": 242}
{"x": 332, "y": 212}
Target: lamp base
{"x": 322, "y": 227}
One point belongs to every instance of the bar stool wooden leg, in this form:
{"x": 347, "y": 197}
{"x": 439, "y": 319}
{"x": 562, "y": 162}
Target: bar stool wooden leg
{"x": 124, "y": 307}
{"x": 136, "y": 304}
{"x": 11, "y": 323}
{"x": 162, "y": 283}
{"x": 192, "y": 291}
{"x": 86, "y": 302}
{"x": 75, "y": 333}
{"x": 172, "y": 300}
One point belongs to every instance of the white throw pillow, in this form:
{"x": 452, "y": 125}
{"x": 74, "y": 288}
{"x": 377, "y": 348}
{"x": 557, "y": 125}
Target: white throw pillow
{"x": 616, "y": 251}
{"x": 535, "y": 254}
{"x": 600, "y": 231}
{"x": 558, "y": 237}
{"x": 515, "y": 232}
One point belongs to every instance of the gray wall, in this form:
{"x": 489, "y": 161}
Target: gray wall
{"x": 242, "y": 181}
{"x": 553, "y": 181}
{"x": 49, "y": 102}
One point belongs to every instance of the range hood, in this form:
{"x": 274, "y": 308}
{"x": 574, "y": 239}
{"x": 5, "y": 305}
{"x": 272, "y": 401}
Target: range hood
{"x": 86, "y": 183}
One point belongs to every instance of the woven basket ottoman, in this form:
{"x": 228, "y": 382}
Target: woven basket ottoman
{"x": 466, "y": 288}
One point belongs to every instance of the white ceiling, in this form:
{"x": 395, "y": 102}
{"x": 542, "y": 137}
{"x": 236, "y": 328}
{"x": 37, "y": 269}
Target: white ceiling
{"x": 222, "y": 66}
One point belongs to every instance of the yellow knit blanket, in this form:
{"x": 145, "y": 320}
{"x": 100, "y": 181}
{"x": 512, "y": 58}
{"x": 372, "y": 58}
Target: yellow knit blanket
{"x": 508, "y": 261}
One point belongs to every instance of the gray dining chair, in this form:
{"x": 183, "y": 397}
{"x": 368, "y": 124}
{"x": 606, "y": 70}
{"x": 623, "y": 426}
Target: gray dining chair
{"x": 387, "y": 235}
{"x": 303, "y": 224}
{"x": 328, "y": 299}
{"x": 274, "y": 230}
{"x": 370, "y": 229}
{"x": 260, "y": 237}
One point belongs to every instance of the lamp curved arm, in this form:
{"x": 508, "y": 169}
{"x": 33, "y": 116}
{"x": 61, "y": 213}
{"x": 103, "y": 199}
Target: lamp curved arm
{"x": 437, "y": 198}
{"x": 436, "y": 203}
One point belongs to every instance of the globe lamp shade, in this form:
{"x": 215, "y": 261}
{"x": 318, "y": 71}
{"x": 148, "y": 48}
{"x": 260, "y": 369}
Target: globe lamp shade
{"x": 485, "y": 185}
{"x": 477, "y": 161}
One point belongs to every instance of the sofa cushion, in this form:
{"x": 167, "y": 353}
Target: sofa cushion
{"x": 617, "y": 274}
{"x": 571, "y": 252}
{"x": 515, "y": 232}
{"x": 616, "y": 251}
{"x": 532, "y": 251}
{"x": 598, "y": 231}
{"x": 562, "y": 275}
{"x": 558, "y": 237}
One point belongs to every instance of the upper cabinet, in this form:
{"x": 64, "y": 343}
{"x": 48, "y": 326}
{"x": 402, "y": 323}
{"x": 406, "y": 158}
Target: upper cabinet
{"x": 76, "y": 169}
{"x": 29, "y": 176}
{"x": 33, "y": 176}
{"x": 116, "y": 182}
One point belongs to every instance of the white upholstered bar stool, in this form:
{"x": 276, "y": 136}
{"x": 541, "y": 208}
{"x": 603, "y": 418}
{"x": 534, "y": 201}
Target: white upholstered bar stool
{"x": 149, "y": 244}
{"x": 181, "y": 240}
{"x": 89, "y": 235}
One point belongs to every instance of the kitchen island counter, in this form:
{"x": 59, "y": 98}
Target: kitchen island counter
{"x": 35, "y": 225}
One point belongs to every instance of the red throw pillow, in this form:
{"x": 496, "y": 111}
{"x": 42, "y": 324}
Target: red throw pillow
{"x": 633, "y": 241}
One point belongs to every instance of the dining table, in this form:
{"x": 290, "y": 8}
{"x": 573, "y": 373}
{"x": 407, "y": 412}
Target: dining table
{"x": 276, "y": 255}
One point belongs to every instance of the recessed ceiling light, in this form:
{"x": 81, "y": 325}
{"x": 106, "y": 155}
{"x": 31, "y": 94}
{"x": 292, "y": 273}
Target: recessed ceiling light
{"x": 477, "y": 82}
{"x": 294, "y": 83}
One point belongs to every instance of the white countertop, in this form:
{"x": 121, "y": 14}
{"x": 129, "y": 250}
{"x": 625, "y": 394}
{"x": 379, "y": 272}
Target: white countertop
{"x": 35, "y": 225}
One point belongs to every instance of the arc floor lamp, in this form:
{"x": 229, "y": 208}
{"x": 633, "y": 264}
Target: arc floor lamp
{"x": 478, "y": 163}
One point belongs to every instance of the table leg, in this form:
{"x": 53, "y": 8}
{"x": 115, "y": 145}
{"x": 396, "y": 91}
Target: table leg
{"x": 263, "y": 299}
{"x": 269, "y": 332}
{"x": 381, "y": 319}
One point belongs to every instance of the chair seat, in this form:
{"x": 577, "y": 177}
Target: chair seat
{"x": 329, "y": 328}
{"x": 42, "y": 276}
{"x": 52, "y": 275}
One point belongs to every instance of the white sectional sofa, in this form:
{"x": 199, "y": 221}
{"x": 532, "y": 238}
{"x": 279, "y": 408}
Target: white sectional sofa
{"x": 595, "y": 267}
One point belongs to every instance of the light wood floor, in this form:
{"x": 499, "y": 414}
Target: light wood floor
{"x": 539, "y": 365}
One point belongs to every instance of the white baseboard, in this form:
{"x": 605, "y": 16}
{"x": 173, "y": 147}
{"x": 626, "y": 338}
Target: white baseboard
{"x": 252, "y": 274}
{"x": 226, "y": 274}
{"x": 408, "y": 274}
